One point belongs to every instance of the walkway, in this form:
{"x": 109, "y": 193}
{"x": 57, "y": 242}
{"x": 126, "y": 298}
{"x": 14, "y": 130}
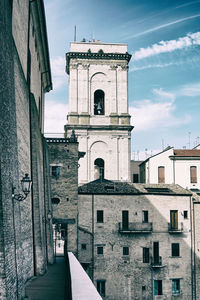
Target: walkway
{"x": 50, "y": 286}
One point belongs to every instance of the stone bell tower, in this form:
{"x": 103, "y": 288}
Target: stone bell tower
{"x": 98, "y": 109}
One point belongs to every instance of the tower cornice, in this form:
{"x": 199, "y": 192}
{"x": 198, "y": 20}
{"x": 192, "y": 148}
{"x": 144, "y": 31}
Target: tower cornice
{"x": 97, "y": 55}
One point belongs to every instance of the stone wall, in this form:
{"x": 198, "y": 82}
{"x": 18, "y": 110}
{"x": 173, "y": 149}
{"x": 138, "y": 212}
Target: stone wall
{"x": 126, "y": 276}
{"x": 64, "y": 155}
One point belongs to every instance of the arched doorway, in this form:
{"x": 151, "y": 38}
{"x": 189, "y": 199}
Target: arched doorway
{"x": 99, "y": 168}
{"x": 99, "y": 102}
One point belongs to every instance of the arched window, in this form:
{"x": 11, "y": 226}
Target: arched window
{"x": 99, "y": 102}
{"x": 99, "y": 168}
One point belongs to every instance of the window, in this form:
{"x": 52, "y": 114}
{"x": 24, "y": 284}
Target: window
{"x": 161, "y": 174}
{"x": 99, "y": 216}
{"x": 185, "y": 214}
{"x": 175, "y": 249}
{"x": 99, "y": 102}
{"x": 101, "y": 287}
{"x": 157, "y": 287}
{"x": 100, "y": 250}
{"x": 193, "y": 174}
{"x": 55, "y": 171}
{"x": 99, "y": 168}
{"x": 125, "y": 219}
{"x": 135, "y": 178}
{"x": 145, "y": 216}
{"x": 174, "y": 219}
{"x": 125, "y": 250}
{"x": 145, "y": 255}
{"x": 83, "y": 246}
{"x": 175, "y": 286}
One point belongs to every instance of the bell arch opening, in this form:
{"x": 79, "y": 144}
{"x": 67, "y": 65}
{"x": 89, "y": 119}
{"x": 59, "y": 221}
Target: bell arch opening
{"x": 99, "y": 96}
{"x": 99, "y": 168}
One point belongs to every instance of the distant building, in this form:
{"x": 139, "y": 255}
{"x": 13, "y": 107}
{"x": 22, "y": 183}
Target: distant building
{"x": 138, "y": 240}
{"x": 26, "y": 241}
{"x": 98, "y": 108}
{"x": 135, "y": 171}
{"x": 177, "y": 166}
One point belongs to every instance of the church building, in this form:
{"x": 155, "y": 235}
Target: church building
{"x": 98, "y": 109}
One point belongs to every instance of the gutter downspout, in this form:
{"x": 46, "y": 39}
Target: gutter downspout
{"x": 192, "y": 263}
{"x": 93, "y": 238}
{"x": 30, "y": 121}
{"x": 194, "y": 238}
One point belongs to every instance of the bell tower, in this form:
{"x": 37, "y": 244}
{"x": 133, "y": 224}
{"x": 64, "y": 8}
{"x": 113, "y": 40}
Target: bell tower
{"x": 98, "y": 109}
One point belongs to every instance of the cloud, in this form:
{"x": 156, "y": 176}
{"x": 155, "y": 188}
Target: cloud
{"x": 58, "y": 72}
{"x": 55, "y": 117}
{"x": 148, "y": 115}
{"x": 164, "y": 95}
{"x": 191, "y": 90}
{"x": 163, "y": 26}
{"x": 168, "y": 46}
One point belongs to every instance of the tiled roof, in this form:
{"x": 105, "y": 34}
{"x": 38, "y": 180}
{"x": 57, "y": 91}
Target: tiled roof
{"x": 125, "y": 188}
{"x": 187, "y": 152}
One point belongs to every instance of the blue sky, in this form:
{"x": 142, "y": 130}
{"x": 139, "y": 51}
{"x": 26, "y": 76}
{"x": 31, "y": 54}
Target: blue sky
{"x": 164, "y": 72}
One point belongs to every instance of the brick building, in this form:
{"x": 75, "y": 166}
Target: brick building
{"x": 140, "y": 240}
{"x": 25, "y": 76}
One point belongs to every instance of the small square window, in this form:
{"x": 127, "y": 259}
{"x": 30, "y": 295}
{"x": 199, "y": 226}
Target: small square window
{"x": 100, "y": 250}
{"x": 158, "y": 287}
{"x": 101, "y": 287}
{"x": 125, "y": 250}
{"x": 83, "y": 246}
{"x": 145, "y": 217}
{"x": 185, "y": 214}
{"x": 144, "y": 288}
{"x": 175, "y": 249}
{"x": 99, "y": 216}
{"x": 55, "y": 171}
{"x": 145, "y": 255}
{"x": 175, "y": 286}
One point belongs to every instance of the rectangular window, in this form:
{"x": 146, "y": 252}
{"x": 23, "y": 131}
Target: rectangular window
{"x": 83, "y": 246}
{"x": 101, "y": 287}
{"x": 125, "y": 219}
{"x": 156, "y": 252}
{"x": 193, "y": 174}
{"x": 145, "y": 217}
{"x": 185, "y": 214}
{"x": 175, "y": 249}
{"x": 55, "y": 171}
{"x": 135, "y": 178}
{"x": 99, "y": 216}
{"x": 175, "y": 286}
{"x": 125, "y": 250}
{"x": 158, "y": 287}
{"x": 161, "y": 174}
{"x": 145, "y": 255}
{"x": 174, "y": 219}
{"x": 100, "y": 250}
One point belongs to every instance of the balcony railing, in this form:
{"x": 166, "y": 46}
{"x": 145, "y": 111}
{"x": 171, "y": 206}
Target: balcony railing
{"x": 136, "y": 227}
{"x": 175, "y": 228}
{"x": 156, "y": 262}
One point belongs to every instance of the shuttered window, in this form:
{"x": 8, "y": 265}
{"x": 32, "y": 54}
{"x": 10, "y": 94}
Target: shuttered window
{"x": 193, "y": 174}
{"x": 161, "y": 174}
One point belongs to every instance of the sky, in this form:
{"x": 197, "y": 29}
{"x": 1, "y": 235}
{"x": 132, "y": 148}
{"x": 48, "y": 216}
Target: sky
{"x": 164, "y": 72}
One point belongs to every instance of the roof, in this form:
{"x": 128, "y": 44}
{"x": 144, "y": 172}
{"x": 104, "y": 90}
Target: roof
{"x": 166, "y": 149}
{"x": 187, "y": 152}
{"x": 105, "y": 187}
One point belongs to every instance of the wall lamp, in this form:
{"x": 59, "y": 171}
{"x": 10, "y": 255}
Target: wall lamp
{"x": 26, "y": 188}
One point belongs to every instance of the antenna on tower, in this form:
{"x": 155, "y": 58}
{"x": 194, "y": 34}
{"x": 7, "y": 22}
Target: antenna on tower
{"x": 75, "y": 33}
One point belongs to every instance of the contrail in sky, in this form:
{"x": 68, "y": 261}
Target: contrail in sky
{"x": 162, "y": 26}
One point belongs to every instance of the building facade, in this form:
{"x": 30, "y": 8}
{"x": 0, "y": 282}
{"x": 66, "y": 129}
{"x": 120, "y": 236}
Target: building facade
{"x": 98, "y": 108}
{"x": 139, "y": 239}
{"x": 169, "y": 166}
{"x": 25, "y": 230}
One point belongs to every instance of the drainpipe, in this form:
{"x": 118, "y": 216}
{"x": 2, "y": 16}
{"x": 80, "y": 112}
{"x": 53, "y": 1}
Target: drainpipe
{"x": 93, "y": 238}
{"x": 192, "y": 263}
{"x": 30, "y": 120}
{"x": 194, "y": 238}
